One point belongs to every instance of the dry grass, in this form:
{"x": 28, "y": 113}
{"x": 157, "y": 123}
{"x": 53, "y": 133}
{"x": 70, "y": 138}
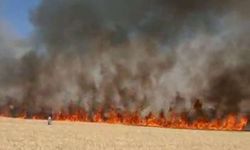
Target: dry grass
{"x": 29, "y": 134}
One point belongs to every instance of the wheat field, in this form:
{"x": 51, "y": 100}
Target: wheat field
{"x": 19, "y": 134}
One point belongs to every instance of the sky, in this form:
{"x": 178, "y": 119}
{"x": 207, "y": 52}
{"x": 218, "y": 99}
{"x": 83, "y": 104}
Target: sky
{"x": 16, "y": 14}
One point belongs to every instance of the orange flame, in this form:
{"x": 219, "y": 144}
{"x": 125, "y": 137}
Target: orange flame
{"x": 230, "y": 122}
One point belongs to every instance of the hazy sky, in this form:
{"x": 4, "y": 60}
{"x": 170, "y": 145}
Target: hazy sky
{"x": 16, "y": 14}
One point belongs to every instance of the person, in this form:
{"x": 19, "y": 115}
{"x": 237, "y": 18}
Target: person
{"x": 49, "y": 120}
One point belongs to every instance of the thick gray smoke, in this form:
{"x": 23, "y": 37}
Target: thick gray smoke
{"x": 146, "y": 55}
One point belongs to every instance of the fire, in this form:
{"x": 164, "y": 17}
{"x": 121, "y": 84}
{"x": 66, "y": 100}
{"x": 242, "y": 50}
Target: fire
{"x": 230, "y": 123}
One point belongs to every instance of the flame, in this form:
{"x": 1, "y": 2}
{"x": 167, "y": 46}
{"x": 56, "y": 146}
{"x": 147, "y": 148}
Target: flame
{"x": 231, "y": 122}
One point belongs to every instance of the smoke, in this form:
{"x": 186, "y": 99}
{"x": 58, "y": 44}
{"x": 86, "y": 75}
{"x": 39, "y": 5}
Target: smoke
{"x": 136, "y": 55}
{"x": 12, "y": 49}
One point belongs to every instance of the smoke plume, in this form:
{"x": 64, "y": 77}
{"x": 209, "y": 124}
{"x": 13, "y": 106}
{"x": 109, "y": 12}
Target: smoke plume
{"x": 134, "y": 55}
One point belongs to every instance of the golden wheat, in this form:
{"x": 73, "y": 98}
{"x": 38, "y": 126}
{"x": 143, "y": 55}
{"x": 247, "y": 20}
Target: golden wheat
{"x": 36, "y": 134}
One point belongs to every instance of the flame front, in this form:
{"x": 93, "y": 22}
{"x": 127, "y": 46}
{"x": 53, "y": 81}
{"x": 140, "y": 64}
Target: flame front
{"x": 170, "y": 119}
{"x": 231, "y": 122}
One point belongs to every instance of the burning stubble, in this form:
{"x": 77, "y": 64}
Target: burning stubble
{"x": 149, "y": 57}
